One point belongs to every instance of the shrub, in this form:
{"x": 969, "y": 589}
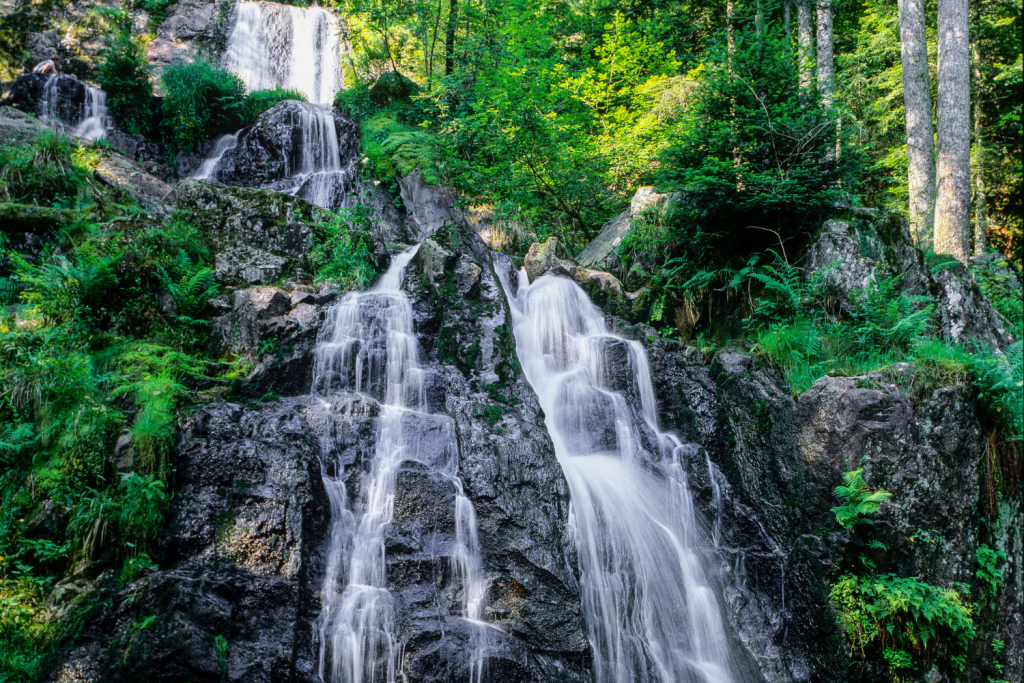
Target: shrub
{"x": 343, "y": 252}
{"x": 143, "y": 505}
{"x": 123, "y": 73}
{"x": 858, "y": 501}
{"x": 46, "y": 172}
{"x": 201, "y": 101}
{"x": 260, "y": 101}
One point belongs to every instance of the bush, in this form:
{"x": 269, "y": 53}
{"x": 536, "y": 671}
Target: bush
{"x": 260, "y": 101}
{"x": 48, "y": 172}
{"x": 343, "y": 252}
{"x": 123, "y": 73}
{"x": 201, "y": 101}
{"x": 143, "y": 505}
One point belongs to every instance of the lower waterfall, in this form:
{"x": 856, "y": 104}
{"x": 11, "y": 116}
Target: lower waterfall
{"x": 368, "y": 346}
{"x": 651, "y": 614}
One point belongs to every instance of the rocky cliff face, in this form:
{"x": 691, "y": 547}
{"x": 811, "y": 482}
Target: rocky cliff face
{"x": 781, "y": 460}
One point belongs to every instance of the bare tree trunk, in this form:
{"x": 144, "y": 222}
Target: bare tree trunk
{"x": 917, "y": 105}
{"x": 449, "y": 38}
{"x": 786, "y": 19}
{"x": 978, "y": 165}
{"x": 730, "y": 36}
{"x": 953, "y": 170}
{"x": 825, "y": 78}
{"x": 805, "y": 42}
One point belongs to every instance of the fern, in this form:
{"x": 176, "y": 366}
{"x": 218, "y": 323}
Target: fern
{"x": 858, "y": 501}
{"x": 190, "y": 287}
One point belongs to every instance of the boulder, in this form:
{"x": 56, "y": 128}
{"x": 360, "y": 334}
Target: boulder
{"x": 19, "y": 127}
{"x": 190, "y": 27}
{"x": 602, "y": 252}
{"x": 117, "y": 171}
{"x": 63, "y": 95}
{"x": 273, "y": 153}
{"x": 854, "y": 258}
{"x": 257, "y": 235}
{"x": 549, "y": 256}
{"x": 428, "y": 206}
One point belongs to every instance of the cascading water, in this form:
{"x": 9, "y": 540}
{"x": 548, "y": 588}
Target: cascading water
{"x": 316, "y": 173}
{"x": 368, "y": 347}
{"x": 90, "y": 118}
{"x": 209, "y": 167}
{"x": 292, "y": 47}
{"x": 650, "y": 612}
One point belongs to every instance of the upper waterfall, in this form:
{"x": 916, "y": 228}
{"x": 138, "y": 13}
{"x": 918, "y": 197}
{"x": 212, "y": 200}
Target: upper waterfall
{"x": 293, "y": 47}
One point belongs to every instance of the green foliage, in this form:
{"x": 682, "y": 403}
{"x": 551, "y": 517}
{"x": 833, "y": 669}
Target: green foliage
{"x": 989, "y": 573}
{"x": 191, "y": 286}
{"x": 48, "y": 172}
{"x": 1000, "y": 282}
{"x": 143, "y": 505}
{"x": 858, "y": 501}
{"x": 155, "y": 423}
{"x": 63, "y": 290}
{"x": 1000, "y": 382}
{"x": 201, "y": 101}
{"x": 260, "y": 101}
{"x": 889, "y": 613}
{"x": 394, "y": 149}
{"x": 770, "y": 163}
{"x": 123, "y": 72}
{"x": 343, "y": 250}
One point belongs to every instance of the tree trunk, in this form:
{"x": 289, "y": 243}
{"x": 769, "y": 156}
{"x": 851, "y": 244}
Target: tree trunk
{"x": 953, "y": 170}
{"x": 449, "y": 38}
{"x": 825, "y": 78}
{"x": 978, "y": 164}
{"x": 785, "y": 19}
{"x": 917, "y": 105}
{"x": 805, "y": 42}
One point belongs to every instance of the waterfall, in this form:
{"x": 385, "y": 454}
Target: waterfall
{"x": 209, "y": 166}
{"x": 316, "y": 173}
{"x": 368, "y": 346}
{"x": 650, "y": 612}
{"x": 89, "y": 118}
{"x": 293, "y": 47}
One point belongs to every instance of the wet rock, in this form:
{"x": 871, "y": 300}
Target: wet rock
{"x": 28, "y": 93}
{"x": 271, "y": 151}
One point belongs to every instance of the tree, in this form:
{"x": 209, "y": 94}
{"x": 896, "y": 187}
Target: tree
{"x": 953, "y": 168}
{"x": 825, "y": 77}
{"x": 917, "y": 105}
{"x": 805, "y": 42}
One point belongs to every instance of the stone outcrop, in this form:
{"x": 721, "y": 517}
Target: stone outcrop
{"x": 190, "y": 27}
{"x": 428, "y": 206}
{"x": 257, "y": 236}
{"x": 148, "y": 190}
{"x": 851, "y": 258}
{"x": 780, "y": 460}
{"x": 19, "y": 127}
{"x": 270, "y": 152}
{"x": 602, "y": 252}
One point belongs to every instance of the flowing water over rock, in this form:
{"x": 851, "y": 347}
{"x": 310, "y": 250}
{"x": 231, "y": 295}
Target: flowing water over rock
{"x": 68, "y": 102}
{"x": 369, "y": 347}
{"x": 292, "y": 47}
{"x": 209, "y": 167}
{"x": 651, "y": 612}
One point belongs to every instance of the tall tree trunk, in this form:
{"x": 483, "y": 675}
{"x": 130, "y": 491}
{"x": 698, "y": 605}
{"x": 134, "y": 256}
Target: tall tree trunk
{"x": 917, "y": 105}
{"x": 978, "y": 164}
{"x": 786, "y": 19}
{"x": 730, "y": 36}
{"x": 825, "y": 78}
{"x": 449, "y": 38}
{"x": 805, "y": 42}
{"x": 953, "y": 170}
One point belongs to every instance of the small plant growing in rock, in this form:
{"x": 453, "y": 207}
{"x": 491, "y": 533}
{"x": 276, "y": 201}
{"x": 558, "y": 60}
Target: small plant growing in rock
{"x": 858, "y": 501}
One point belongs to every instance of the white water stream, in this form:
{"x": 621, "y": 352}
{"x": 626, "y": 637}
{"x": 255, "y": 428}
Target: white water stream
{"x": 369, "y": 347}
{"x": 650, "y": 611}
{"x": 292, "y": 47}
{"x": 93, "y": 117}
